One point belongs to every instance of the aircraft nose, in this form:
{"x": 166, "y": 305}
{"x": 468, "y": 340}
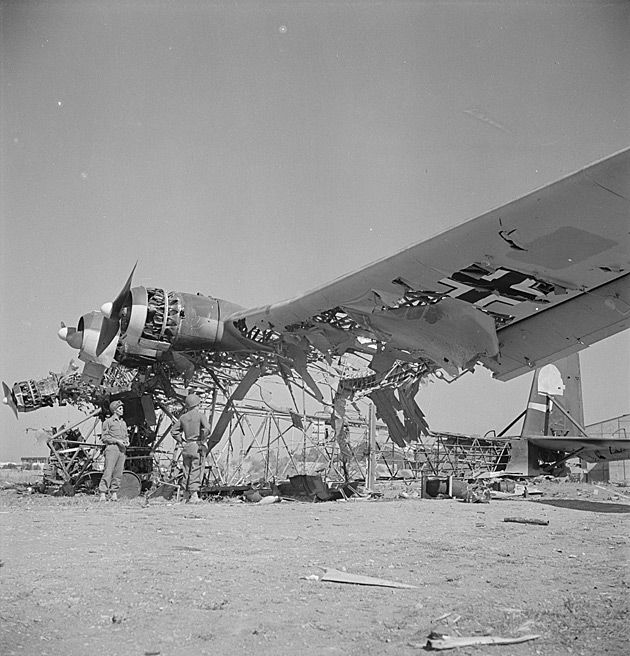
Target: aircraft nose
{"x": 72, "y": 336}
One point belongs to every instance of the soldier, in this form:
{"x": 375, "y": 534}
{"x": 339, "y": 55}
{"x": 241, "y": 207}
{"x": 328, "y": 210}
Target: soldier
{"x": 195, "y": 428}
{"x": 116, "y": 442}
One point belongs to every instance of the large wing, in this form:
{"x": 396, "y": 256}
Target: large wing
{"x": 515, "y": 288}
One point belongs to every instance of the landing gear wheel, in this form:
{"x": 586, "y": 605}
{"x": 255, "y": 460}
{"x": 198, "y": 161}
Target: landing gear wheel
{"x": 130, "y": 486}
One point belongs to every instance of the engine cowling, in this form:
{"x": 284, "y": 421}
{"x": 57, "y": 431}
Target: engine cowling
{"x": 156, "y": 321}
{"x": 153, "y": 321}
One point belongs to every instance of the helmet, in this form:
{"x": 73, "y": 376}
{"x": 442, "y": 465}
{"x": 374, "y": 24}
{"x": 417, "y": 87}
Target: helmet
{"x": 192, "y": 400}
{"x": 115, "y": 404}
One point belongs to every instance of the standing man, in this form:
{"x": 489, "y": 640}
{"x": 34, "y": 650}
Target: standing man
{"x": 116, "y": 441}
{"x": 195, "y": 427}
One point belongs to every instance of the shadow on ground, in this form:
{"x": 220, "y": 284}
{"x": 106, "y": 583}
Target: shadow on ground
{"x": 590, "y": 506}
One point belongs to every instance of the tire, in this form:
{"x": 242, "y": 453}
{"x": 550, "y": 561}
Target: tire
{"x": 130, "y": 485}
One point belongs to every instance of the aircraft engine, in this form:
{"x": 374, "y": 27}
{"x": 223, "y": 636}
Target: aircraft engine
{"x": 29, "y": 395}
{"x": 85, "y": 338}
{"x": 144, "y": 324}
{"x": 148, "y": 324}
{"x": 156, "y": 321}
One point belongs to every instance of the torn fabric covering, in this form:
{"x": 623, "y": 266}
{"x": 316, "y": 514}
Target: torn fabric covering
{"x": 297, "y": 348}
{"x": 452, "y": 333}
{"x": 411, "y": 410}
{"x": 385, "y": 403}
{"x": 338, "y": 420}
{"x": 296, "y": 420}
{"x": 239, "y": 393}
{"x": 329, "y": 339}
{"x": 388, "y": 405}
{"x": 383, "y": 360}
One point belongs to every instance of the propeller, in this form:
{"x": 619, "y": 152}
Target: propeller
{"x": 8, "y": 399}
{"x": 111, "y": 319}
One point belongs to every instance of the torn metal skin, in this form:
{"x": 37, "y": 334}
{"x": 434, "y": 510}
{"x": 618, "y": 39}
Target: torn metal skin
{"x": 514, "y": 288}
{"x": 449, "y": 333}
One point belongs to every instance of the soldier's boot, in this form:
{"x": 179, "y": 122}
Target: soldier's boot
{"x": 114, "y": 496}
{"x": 194, "y": 498}
{"x": 102, "y": 497}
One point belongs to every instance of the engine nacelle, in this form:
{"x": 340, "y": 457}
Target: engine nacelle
{"x": 156, "y": 321}
{"x": 151, "y": 323}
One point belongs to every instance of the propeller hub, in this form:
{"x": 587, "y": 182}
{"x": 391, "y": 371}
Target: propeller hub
{"x": 106, "y": 309}
{"x": 72, "y": 336}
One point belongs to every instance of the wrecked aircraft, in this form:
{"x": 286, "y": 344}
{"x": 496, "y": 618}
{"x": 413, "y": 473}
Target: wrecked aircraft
{"x": 512, "y": 290}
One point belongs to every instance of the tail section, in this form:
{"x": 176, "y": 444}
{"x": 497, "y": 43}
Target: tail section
{"x": 554, "y": 409}
{"x": 555, "y": 387}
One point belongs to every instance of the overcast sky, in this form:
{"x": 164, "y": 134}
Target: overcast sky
{"x": 253, "y": 150}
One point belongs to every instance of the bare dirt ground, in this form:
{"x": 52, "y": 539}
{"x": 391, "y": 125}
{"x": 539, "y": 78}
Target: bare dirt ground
{"x": 79, "y": 577}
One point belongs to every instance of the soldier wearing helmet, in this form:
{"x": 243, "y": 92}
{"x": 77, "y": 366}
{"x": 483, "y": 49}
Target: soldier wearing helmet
{"x": 191, "y": 431}
{"x": 116, "y": 440}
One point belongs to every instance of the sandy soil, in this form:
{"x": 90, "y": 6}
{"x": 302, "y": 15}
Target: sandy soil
{"x": 79, "y": 577}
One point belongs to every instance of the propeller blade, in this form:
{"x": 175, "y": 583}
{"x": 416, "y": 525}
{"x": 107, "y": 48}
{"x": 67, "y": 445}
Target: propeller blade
{"x": 111, "y": 320}
{"x": 118, "y": 303}
{"x": 8, "y": 399}
{"x": 109, "y": 330}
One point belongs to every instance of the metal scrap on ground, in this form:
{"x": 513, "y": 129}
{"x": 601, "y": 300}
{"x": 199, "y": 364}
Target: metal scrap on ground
{"x": 438, "y": 641}
{"x": 336, "y": 576}
{"x": 525, "y": 520}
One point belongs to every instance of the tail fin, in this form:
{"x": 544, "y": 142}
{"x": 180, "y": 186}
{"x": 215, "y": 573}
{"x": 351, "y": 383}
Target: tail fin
{"x": 555, "y": 388}
{"x": 543, "y": 417}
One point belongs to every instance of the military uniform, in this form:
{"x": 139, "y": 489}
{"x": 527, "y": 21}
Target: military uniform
{"x": 116, "y": 441}
{"x": 191, "y": 431}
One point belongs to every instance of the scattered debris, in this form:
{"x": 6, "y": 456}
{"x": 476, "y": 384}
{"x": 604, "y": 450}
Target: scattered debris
{"x": 526, "y": 626}
{"x": 447, "y": 618}
{"x": 253, "y": 496}
{"x": 312, "y": 488}
{"x": 442, "y": 617}
{"x": 409, "y": 495}
{"x": 187, "y": 548}
{"x": 265, "y": 501}
{"x": 477, "y": 494}
{"x": 438, "y": 641}
{"x": 525, "y": 520}
{"x": 310, "y": 577}
{"x": 335, "y": 576}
